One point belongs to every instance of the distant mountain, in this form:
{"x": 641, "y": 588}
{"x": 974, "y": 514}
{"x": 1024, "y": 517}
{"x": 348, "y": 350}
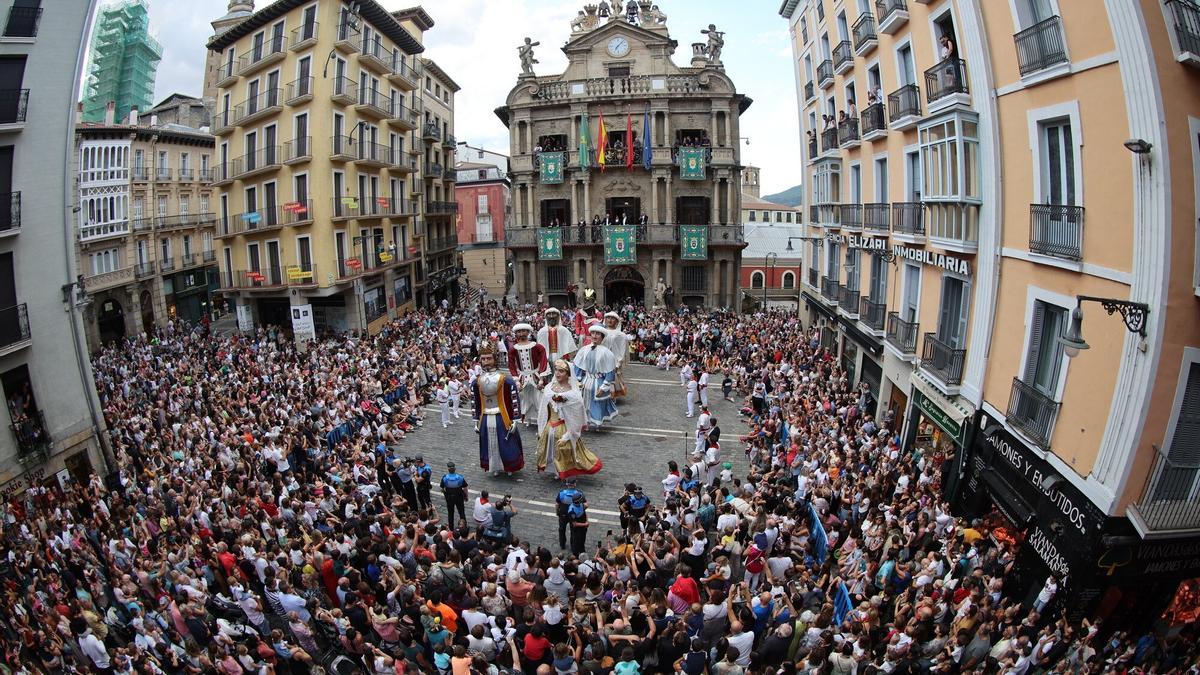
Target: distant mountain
{"x": 793, "y": 196}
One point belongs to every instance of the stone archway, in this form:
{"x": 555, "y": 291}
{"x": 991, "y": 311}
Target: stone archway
{"x": 147, "y": 302}
{"x": 110, "y": 320}
{"x": 624, "y": 284}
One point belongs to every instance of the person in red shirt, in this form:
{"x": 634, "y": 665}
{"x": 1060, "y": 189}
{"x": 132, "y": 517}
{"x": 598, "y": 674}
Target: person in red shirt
{"x": 329, "y": 578}
{"x": 537, "y": 647}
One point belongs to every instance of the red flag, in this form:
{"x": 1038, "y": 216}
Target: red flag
{"x": 628, "y": 142}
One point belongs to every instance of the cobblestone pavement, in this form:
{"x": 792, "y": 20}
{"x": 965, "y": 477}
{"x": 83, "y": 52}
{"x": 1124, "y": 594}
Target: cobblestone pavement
{"x": 652, "y": 428}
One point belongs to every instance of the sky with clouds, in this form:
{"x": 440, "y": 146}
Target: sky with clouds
{"x": 475, "y": 42}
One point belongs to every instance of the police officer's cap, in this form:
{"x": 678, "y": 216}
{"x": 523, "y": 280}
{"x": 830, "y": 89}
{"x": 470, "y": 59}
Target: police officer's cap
{"x": 450, "y": 465}
{"x": 419, "y": 457}
{"x": 630, "y": 487}
{"x": 578, "y": 499}
{"x": 569, "y": 482}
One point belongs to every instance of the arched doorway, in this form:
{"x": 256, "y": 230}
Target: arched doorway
{"x": 624, "y": 284}
{"x": 147, "y": 312}
{"x": 110, "y": 320}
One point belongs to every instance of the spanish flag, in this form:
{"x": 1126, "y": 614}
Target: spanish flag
{"x": 601, "y": 142}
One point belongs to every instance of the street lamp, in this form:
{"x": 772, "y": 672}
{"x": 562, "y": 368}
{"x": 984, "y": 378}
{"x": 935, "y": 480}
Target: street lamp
{"x": 1132, "y": 313}
{"x": 772, "y": 257}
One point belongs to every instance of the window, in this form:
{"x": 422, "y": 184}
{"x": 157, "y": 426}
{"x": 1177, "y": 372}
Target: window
{"x": 789, "y": 216}
{"x": 752, "y": 216}
{"x": 204, "y": 204}
{"x": 1177, "y": 480}
{"x": 185, "y": 206}
{"x": 694, "y": 279}
{"x": 833, "y": 260}
{"x": 206, "y": 242}
{"x": 1043, "y": 361}
{"x": 105, "y": 261}
{"x": 952, "y": 320}
{"x": 911, "y": 302}
{"x": 556, "y": 277}
{"x": 852, "y": 271}
{"x": 756, "y": 279}
{"x": 950, "y": 177}
{"x": 304, "y": 253}
{"x": 618, "y": 71}
{"x": 814, "y": 260}
{"x": 482, "y": 206}
{"x": 789, "y": 280}
{"x": 187, "y": 245}
{"x": 162, "y": 206}
{"x": 165, "y": 249}
{"x": 1057, "y": 162}
{"x": 879, "y": 268}
{"x": 881, "y": 180}
{"x": 904, "y": 62}
{"x": 228, "y": 254}
{"x": 143, "y": 252}
{"x": 856, "y": 184}
{"x": 913, "y": 176}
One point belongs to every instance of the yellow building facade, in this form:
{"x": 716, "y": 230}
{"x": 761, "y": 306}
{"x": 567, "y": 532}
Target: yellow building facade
{"x": 980, "y": 176}
{"x": 320, "y": 165}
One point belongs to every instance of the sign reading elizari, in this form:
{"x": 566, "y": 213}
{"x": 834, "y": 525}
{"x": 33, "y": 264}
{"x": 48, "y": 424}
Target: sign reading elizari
{"x": 855, "y": 241}
{"x": 946, "y": 262}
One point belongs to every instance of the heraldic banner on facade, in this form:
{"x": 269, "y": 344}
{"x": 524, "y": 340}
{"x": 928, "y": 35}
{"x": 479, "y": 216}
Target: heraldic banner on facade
{"x": 693, "y": 242}
{"x": 549, "y": 243}
{"x": 620, "y": 245}
{"x": 552, "y": 166}
{"x": 692, "y": 165}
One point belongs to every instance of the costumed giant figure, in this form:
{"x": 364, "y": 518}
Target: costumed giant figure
{"x": 528, "y": 364}
{"x": 496, "y": 403}
{"x": 596, "y": 367}
{"x": 561, "y": 417}
{"x": 555, "y": 338}
{"x": 618, "y": 343}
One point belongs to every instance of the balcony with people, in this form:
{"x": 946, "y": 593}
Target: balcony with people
{"x": 27, "y": 422}
{"x": 946, "y": 81}
{"x": 689, "y": 138}
{"x": 873, "y": 119}
{"x": 847, "y": 129}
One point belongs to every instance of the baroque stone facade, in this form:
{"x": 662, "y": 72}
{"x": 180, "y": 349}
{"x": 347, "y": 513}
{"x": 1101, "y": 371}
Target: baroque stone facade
{"x": 621, "y": 69}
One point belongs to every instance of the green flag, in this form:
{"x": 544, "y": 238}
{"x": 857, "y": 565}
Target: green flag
{"x": 693, "y": 242}
{"x": 552, "y": 166}
{"x": 620, "y": 245}
{"x": 585, "y": 143}
{"x": 692, "y": 163}
{"x": 549, "y": 243}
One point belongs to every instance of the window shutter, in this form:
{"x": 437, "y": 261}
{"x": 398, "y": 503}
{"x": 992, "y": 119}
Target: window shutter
{"x": 1035, "y": 342}
{"x": 1185, "y": 442}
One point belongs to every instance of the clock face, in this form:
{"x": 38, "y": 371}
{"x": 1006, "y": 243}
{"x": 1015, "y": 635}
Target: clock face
{"x": 618, "y": 46}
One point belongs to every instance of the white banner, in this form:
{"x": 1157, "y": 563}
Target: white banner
{"x": 302, "y": 323}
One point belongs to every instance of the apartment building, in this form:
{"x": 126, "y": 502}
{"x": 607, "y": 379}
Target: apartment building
{"x": 145, "y": 243}
{"x": 318, "y": 116}
{"x": 626, "y": 169}
{"x": 484, "y": 196}
{"x": 443, "y": 270}
{"x": 51, "y": 426}
{"x": 966, "y": 228}
{"x": 773, "y": 259}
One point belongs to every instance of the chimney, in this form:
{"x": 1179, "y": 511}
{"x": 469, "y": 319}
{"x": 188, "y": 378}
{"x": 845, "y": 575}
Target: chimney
{"x": 133, "y": 116}
{"x": 110, "y": 111}
{"x": 699, "y": 54}
{"x": 79, "y": 113}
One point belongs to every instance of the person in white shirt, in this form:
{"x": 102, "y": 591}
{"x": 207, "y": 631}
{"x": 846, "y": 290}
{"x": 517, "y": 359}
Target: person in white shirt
{"x": 685, "y": 374}
{"x": 443, "y": 399}
{"x": 91, "y": 645}
{"x": 481, "y": 513}
{"x": 691, "y": 396}
{"x": 455, "y": 389}
{"x": 712, "y": 461}
{"x": 703, "y": 426}
{"x": 702, "y": 387}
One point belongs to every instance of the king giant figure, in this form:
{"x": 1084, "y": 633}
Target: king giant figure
{"x": 495, "y": 416}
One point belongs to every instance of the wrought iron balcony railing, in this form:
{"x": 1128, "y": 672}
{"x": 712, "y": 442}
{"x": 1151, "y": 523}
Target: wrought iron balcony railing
{"x": 1032, "y": 411}
{"x": 942, "y": 359}
{"x": 1057, "y": 230}
{"x": 1041, "y": 46}
{"x": 901, "y": 334}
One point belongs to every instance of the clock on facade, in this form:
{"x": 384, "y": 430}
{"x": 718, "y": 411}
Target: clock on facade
{"x": 618, "y": 46}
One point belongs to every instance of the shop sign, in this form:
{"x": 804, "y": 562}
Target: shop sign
{"x": 1032, "y": 473}
{"x": 940, "y": 260}
{"x": 1044, "y": 545}
{"x": 938, "y": 415}
{"x": 865, "y": 243}
{"x": 1148, "y": 558}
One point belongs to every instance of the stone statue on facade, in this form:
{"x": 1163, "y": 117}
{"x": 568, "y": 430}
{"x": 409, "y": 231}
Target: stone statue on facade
{"x": 586, "y": 20}
{"x": 716, "y": 42}
{"x": 660, "y": 293}
{"x": 653, "y": 17}
{"x": 525, "y": 52}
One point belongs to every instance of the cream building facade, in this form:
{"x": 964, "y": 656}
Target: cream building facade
{"x": 978, "y": 173}
{"x": 625, "y": 73}
{"x": 320, "y": 172}
{"x": 146, "y": 224}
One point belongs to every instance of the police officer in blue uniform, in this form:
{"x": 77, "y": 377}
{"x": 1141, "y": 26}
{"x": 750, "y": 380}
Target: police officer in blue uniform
{"x": 566, "y": 497}
{"x": 454, "y": 488}
{"x": 577, "y": 517}
{"x": 633, "y": 504}
{"x": 404, "y": 476}
{"x": 423, "y": 474}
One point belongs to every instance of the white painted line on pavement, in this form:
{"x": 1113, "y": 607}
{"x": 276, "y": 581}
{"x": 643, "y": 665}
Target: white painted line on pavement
{"x": 661, "y": 432}
{"x": 590, "y": 509}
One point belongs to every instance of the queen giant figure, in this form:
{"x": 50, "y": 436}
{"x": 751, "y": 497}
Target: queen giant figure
{"x": 596, "y": 368}
{"x": 560, "y": 427}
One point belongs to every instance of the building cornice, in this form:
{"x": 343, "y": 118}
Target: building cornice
{"x": 432, "y": 66}
{"x": 369, "y": 10}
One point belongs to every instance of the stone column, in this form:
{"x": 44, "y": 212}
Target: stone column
{"x": 531, "y": 215}
{"x": 587, "y": 199}
{"x": 670, "y": 201}
{"x": 574, "y": 202}
{"x": 653, "y": 215}
{"x": 716, "y": 200}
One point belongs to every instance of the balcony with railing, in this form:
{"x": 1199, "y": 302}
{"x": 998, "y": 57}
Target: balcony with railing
{"x": 865, "y": 37}
{"x": 267, "y": 277}
{"x": 208, "y": 256}
{"x": 1168, "y": 506}
{"x": 814, "y": 278}
{"x": 405, "y": 72}
{"x": 300, "y": 90}
{"x": 371, "y": 103}
{"x": 873, "y": 315}
{"x": 186, "y": 175}
{"x": 254, "y": 163}
{"x": 828, "y": 215}
{"x": 204, "y": 175}
{"x": 848, "y": 299}
{"x": 893, "y": 14}
{"x": 942, "y": 360}
{"x": 14, "y": 104}
{"x": 23, "y": 21}
{"x": 304, "y": 274}
{"x": 1056, "y": 230}
{"x": 99, "y": 281}
{"x": 297, "y": 150}
{"x": 342, "y": 149}
{"x": 825, "y": 73}
{"x": 222, "y": 122}
{"x": 166, "y": 264}
{"x": 432, "y": 170}
{"x": 304, "y": 36}
{"x": 908, "y": 221}
{"x": 346, "y": 39}
{"x": 344, "y": 92}
{"x": 810, "y": 91}
{"x": 162, "y": 174}
{"x": 953, "y": 225}
{"x": 874, "y": 122}
{"x": 270, "y": 51}
{"x": 139, "y": 174}
{"x": 267, "y": 102}
{"x": 434, "y": 207}
{"x": 142, "y": 224}
{"x": 431, "y": 132}
{"x": 374, "y": 57}
{"x": 10, "y": 213}
{"x": 829, "y": 139}
{"x": 830, "y": 290}
{"x": 901, "y": 334}
{"x": 847, "y": 132}
{"x": 946, "y": 84}
{"x": 33, "y": 441}
{"x": 814, "y": 150}
{"x": 1041, "y": 46}
{"x": 904, "y": 107}
{"x": 144, "y": 270}
{"x": 14, "y": 328}
{"x": 222, "y": 173}
{"x": 402, "y": 116}
{"x": 1185, "y": 22}
{"x": 843, "y": 57}
{"x": 876, "y": 217}
{"x": 227, "y": 73}
{"x": 1032, "y": 412}
{"x": 450, "y": 174}
{"x": 371, "y": 154}
{"x": 851, "y": 216}
{"x": 176, "y": 222}
{"x": 438, "y": 244}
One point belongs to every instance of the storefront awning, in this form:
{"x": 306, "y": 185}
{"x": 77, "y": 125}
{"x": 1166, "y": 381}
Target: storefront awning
{"x": 1008, "y": 501}
{"x": 955, "y": 409}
